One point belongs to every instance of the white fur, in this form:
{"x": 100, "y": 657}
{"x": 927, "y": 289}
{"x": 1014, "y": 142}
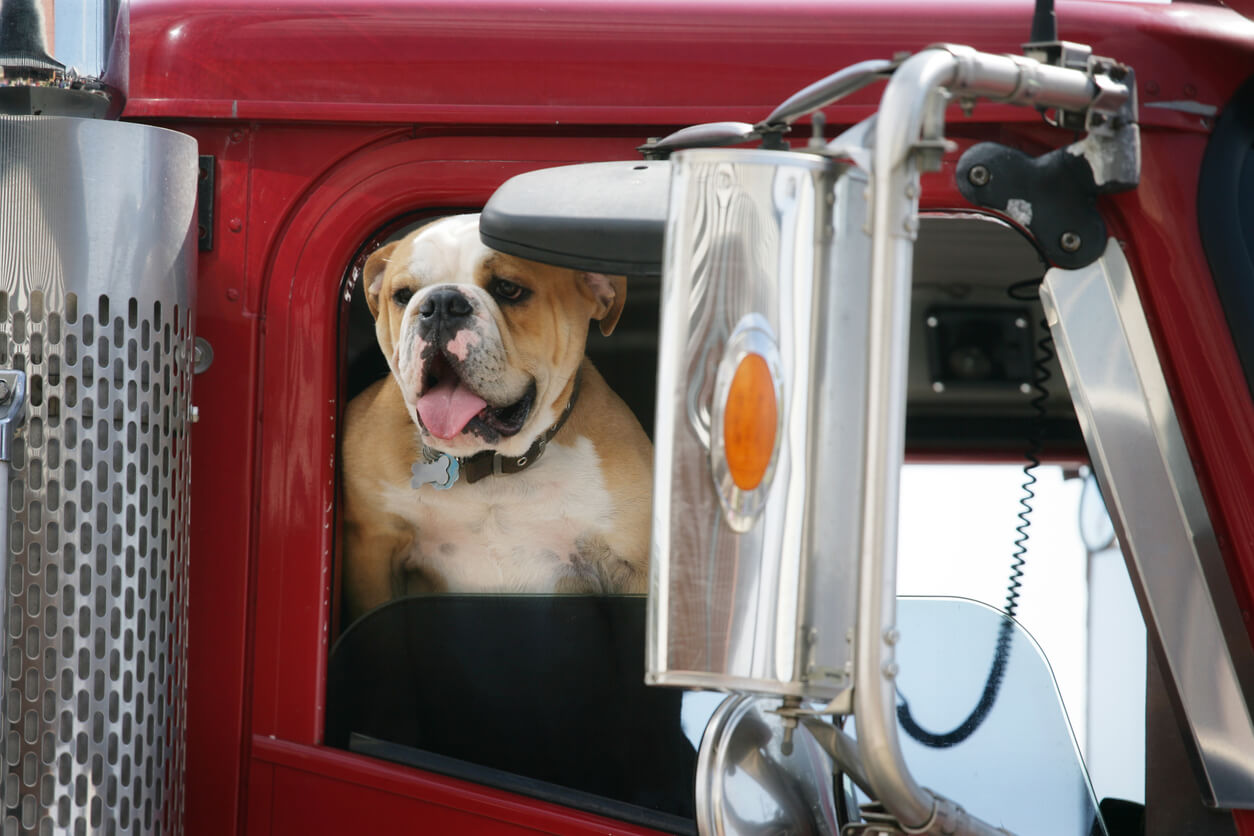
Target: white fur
{"x": 508, "y": 534}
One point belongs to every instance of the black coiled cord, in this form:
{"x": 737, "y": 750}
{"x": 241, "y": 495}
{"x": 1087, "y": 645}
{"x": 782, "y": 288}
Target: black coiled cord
{"x": 1028, "y": 291}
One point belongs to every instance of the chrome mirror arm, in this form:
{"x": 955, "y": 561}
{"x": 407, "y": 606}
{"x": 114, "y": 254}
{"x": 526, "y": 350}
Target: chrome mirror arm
{"x": 908, "y": 139}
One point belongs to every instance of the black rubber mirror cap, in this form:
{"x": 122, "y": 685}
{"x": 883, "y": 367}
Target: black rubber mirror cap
{"x": 601, "y": 217}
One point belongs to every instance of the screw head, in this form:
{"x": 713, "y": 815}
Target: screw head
{"x": 1069, "y": 241}
{"x": 979, "y": 175}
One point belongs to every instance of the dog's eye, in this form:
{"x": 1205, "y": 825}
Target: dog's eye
{"x": 402, "y": 296}
{"x": 507, "y": 291}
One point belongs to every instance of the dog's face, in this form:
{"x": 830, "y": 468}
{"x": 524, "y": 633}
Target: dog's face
{"x": 484, "y": 346}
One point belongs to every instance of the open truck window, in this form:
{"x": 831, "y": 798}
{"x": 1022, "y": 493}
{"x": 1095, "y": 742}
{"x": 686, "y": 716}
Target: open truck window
{"x": 513, "y": 691}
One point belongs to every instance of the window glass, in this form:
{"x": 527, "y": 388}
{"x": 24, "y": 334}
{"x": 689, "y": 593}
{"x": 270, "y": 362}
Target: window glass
{"x": 957, "y": 537}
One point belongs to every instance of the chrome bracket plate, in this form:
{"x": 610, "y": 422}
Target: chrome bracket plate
{"x": 1139, "y": 456}
{"x": 12, "y": 411}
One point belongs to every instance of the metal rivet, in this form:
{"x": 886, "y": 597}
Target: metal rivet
{"x": 1020, "y": 322}
{"x": 979, "y": 175}
{"x": 1069, "y": 242}
{"x": 933, "y": 322}
{"x": 937, "y": 386}
{"x": 1025, "y": 388}
{"x": 892, "y": 636}
{"x": 891, "y": 670}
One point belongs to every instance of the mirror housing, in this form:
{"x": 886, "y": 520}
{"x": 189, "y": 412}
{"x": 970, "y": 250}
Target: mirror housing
{"x": 601, "y": 217}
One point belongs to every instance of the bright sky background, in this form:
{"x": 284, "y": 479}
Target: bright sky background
{"x": 956, "y": 538}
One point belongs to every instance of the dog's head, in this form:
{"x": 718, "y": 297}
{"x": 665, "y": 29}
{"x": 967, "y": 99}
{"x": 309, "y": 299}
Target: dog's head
{"x": 484, "y": 346}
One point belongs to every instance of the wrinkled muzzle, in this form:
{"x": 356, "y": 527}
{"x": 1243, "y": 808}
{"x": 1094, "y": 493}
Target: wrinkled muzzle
{"x": 450, "y": 364}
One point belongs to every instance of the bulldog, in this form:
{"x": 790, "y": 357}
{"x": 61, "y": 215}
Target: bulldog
{"x": 494, "y": 458}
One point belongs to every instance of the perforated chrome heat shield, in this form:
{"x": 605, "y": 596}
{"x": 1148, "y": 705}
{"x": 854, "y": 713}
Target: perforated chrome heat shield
{"x": 96, "y": 268}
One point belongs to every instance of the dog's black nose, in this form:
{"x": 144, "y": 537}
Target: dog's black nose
{"x": 446, "y": 304}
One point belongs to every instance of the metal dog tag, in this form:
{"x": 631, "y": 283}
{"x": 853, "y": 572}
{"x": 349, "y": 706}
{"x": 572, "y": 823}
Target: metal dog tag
{"x": 441, "y": 473}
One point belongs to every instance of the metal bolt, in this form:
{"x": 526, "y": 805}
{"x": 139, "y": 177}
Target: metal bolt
{"x": 892, "y": 636}
{"x": 202, "y": 356}
{"x": 1069, "y": 241}
{"x": 979, "y": 175}
{"x": 891, "y": 670}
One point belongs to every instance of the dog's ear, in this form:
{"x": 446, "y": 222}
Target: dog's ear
{"x": 610, "y": 294}
{"x": 372, "y": 275}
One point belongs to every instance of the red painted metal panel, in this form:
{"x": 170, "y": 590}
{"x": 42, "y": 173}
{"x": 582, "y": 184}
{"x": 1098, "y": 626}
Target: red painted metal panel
{"x": 319, "y": 790}
{"x": 223, "y": 444}
{"x": 636, "y": 62}
{"x": 259, "y": 816}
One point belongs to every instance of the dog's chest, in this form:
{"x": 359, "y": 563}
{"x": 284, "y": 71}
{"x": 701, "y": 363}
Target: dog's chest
{"x": 526, "y": 531}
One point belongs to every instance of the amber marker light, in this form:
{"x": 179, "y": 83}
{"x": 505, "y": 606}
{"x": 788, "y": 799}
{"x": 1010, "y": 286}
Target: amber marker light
{"x": 750, "y": 420}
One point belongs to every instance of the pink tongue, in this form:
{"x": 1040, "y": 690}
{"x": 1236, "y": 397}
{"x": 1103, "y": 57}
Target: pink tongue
{"x": 448, "y": 408}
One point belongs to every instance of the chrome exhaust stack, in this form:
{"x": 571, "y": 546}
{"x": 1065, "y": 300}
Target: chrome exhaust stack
{"x": 97, "y": 268}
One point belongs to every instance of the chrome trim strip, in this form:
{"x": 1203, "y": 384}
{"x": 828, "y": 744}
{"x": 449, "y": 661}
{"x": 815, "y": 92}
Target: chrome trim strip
{"x": 1138, "y": 452}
